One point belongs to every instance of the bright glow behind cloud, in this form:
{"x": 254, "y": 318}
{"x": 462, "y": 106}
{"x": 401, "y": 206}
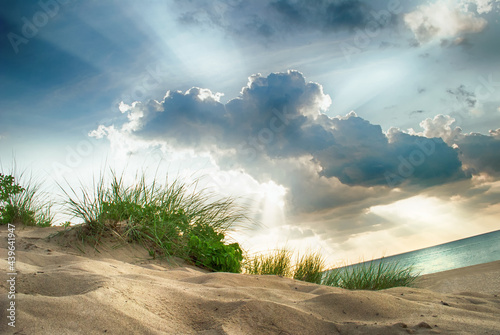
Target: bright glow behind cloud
{"x": 313, "y": 177}
{"x": 442, "y": 20}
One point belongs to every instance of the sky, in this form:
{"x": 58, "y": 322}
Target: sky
{"x": 357, "y": 128}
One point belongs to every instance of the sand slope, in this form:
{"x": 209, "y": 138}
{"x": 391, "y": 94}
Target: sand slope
{"x": 61, "y": 290}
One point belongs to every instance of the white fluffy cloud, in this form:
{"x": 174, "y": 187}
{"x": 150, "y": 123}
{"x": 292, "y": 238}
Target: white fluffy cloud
{"x": 277, "y": 130}
{"x": 443, "y": 20}
{"x": 441, "y": 126}
{"x": 482, "y": 6}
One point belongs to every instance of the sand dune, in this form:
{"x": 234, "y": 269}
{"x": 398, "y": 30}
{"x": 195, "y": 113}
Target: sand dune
{"x": 119, "y": 290}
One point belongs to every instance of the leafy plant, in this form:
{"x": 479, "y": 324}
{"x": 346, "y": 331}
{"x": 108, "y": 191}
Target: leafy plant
{"x": 174, "y": 219}
{"x": 8, "y": 187}
{"x": 215, "y": 255}
{"x": 23, "y": 204}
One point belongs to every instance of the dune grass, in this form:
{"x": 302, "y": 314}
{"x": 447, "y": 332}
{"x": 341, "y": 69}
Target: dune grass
{"x": 374, "y": 275}
{"x": 307, "y": 267}
{"x": 278, "y": 262}
{"x": 177, "y": 219}
{"x": 310, "y": 267}
{"x": 24, "y": 201}
{"x": 174, "y": 219}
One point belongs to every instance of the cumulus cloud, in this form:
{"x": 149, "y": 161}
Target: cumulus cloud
{"x": 277, "y": 130}
{"x": 441, "y": 126}
{"x": 477, "y": 152}
{"x": 442, "y": 21}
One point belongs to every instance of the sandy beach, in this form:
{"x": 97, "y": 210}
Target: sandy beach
{"x": 64, "y": 287}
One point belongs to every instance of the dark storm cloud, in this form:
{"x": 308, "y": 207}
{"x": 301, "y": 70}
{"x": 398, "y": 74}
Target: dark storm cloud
{"x": 480, "y": 153}
{"x": 477, "y": 152}
{"x": 429, "y": 160}
{"x": 184, "y": 118}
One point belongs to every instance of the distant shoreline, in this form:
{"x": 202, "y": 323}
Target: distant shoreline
{"x": 473, "y": 250}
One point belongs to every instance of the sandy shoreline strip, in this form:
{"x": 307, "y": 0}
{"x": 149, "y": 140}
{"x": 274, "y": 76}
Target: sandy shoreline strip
{"x": 119, "y": 290}
{"x": 481, "y": 278}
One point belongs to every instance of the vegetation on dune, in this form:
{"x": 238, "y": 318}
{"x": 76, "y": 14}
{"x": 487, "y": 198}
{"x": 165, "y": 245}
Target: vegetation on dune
{"x": 277, "y": 263}
{"x": 168, "y": 220}
{"x": 374, "y": 275}
{"x": 23, "y": 204}
{"x": 310, "y": 267}
{"x": 176, "y": 219}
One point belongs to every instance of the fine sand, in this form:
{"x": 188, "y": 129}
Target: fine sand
{"x": 64, "y": 287}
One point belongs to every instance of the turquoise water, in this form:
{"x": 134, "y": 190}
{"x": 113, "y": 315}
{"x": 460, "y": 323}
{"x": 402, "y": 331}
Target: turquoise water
{"x": 473, "y": 250}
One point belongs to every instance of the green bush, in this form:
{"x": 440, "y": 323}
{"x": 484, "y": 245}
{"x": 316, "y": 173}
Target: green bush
{"x": 215, "y": 255}
{"x": 8, "y": 187}
{"x": 166, "y": 220}
{"x": 23, "y": 204}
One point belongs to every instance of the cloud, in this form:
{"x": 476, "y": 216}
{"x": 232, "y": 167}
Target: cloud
{"x": 477, "y": 152}
{"x": 465, "y": 97}
{"x": 495, "y": 133}
{"x": 332, "y": 172}
{"x": 277, "y": 130}
{"x": 271, "y": 19}
{"x": 441, "y": 126}
{"x": 482, "y": 6}
{"x": 324, "y": 15}
{"x": 442, "y": 21}
{"x": 419, "y": 111}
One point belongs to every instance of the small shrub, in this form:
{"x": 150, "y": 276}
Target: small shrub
{"x": 215, "y": 255}
{"x": 23, "y": 205}
{"x": 8, "y": 187}
{"x": 166, "y": 220}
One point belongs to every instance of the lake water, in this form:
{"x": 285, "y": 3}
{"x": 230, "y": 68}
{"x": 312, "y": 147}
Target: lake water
{"x": 473, "y": 250}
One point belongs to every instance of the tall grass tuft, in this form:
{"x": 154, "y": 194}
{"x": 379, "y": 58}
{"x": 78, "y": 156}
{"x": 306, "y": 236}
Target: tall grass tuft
{"x": 373, "y": 275}
{"x": 172, "y": 219}
{"x": 278, "y": 262}
{"x": 31, "y": 206}
{"x": 309, "y": 268}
